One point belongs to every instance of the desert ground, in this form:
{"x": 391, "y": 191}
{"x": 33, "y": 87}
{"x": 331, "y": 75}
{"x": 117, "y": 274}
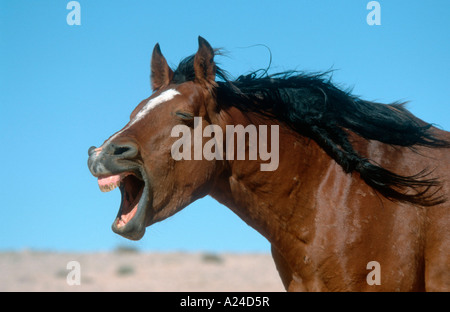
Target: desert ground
{"x": 130, "y": 270}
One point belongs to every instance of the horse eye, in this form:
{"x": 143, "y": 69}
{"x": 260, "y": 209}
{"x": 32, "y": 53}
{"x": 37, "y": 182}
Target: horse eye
{"x": 184, "y": 115}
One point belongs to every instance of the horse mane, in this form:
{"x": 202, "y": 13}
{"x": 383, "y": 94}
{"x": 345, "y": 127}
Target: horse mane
{"x": 313, "y": 106}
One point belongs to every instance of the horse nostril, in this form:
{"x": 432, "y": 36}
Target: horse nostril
{"x": 127, "y": 151}
{"x": 121, "y": 150}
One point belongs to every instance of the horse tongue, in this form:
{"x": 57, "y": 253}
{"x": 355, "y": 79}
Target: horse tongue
{"x": 107, "y": 184}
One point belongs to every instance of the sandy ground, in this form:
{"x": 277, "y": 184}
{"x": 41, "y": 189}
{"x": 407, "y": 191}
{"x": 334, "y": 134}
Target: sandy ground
{"x": 137, "y": 271}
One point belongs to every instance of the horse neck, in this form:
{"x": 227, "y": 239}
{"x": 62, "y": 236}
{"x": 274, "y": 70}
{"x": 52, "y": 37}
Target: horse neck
{"x": 269, "y": 200}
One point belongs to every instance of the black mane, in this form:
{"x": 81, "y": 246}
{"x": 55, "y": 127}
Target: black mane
{"x": 313, "y": 106}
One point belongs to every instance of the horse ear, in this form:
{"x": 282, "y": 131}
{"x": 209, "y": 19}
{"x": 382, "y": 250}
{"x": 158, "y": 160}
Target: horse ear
{"x": 204, "y": 66}
{"x": 161, "y": 74}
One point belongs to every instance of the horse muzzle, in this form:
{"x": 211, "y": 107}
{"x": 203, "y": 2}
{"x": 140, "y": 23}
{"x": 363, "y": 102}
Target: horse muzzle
{"x": 117, "y": 166}
{"x": 111, "y": 158}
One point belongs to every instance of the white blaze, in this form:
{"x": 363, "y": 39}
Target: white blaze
{"x": 151, "y": 104}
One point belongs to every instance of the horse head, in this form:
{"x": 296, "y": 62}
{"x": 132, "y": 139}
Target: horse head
{"x": 138, "y": 160}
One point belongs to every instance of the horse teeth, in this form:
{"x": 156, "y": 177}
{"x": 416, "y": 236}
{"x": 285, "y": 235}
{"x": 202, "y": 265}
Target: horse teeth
{"x": 109, "y": 187}
{"x": 108, "y": 184}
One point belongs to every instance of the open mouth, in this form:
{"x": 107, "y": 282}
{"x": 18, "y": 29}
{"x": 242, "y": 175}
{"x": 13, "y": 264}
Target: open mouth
{"x": 130, "y": 220}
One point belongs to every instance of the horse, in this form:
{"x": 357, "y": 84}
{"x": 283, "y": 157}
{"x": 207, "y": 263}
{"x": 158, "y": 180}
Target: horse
{"x": 357, "y": 202}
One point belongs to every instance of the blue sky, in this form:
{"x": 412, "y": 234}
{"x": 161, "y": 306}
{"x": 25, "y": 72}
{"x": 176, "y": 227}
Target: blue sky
{"x": 65, "y": 88}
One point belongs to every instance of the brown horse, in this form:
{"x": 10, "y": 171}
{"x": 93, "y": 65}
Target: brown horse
{"x": 356, "y": 200}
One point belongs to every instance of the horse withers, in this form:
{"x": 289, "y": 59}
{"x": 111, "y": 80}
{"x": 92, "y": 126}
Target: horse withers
{"x": 355, "y": 182}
